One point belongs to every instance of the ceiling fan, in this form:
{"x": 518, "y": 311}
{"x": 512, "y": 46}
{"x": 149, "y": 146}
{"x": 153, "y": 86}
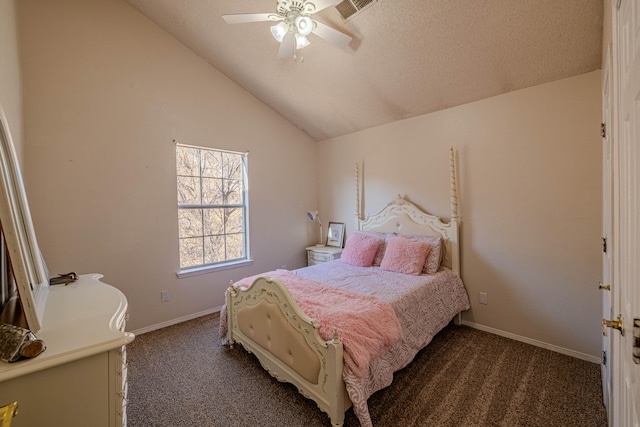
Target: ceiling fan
{"x": 295, "y": 24}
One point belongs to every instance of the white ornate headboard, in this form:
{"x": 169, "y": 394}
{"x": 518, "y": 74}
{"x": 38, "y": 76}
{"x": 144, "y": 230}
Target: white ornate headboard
{"x": 402, "y": 216}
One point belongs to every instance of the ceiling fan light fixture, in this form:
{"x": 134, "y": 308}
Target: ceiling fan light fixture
{"x": 293, "y": 24}
{"x": 304, "y": 25}
{"x": 279, "y": 31}
{"x": 302, "y": 41}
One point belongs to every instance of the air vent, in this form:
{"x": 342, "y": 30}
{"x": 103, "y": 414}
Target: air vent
{"x": 349, "y": 9}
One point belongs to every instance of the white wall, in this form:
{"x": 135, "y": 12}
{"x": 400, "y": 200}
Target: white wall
{"x": 10, "y": 79}
{"x": 106, "y": 94}
{"x": 530, "y": 193}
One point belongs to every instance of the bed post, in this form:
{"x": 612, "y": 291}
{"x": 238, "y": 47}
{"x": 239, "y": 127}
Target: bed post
{"x": 335, "y": 367}
{"x": 229, "y": 295}
{"x": 453, "y": 202}
{"x": 453, "y": 197}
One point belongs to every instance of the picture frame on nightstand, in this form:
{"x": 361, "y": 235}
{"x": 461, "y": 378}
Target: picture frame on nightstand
{"x": 335, "y": 234}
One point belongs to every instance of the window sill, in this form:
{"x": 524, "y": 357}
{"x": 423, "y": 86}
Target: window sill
{"x": 196, "y": 271}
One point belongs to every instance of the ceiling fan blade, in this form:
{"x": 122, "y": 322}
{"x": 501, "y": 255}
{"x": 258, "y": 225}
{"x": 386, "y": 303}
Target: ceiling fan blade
{"x": 241, "y": 18}
{"x": 331, "y": 35}
{"x": 286, "y": 46}
{"x": 322, "y": 4}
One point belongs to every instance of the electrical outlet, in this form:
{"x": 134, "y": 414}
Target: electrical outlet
{"x": 284, "y": 266}
{"x": 483, "y": 298}
{"x": 164, "y": 296}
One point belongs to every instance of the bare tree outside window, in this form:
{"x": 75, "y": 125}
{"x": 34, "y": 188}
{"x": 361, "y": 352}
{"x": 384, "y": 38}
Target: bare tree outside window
{"x": 212, "y": 206}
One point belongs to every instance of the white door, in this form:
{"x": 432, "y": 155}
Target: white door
{"x": 607, "y": 232}
{"x": 626, "y": 268}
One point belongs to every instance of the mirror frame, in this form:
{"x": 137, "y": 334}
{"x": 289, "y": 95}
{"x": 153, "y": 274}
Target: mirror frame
{"x": 27, "y": 264}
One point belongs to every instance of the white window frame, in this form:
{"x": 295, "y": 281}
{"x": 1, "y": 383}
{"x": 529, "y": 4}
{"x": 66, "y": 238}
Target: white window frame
{"x": 222, "y": 265}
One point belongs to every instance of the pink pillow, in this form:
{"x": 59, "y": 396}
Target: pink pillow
{"x": 383, "y": 244}
{"x": 360, "y": 250}
{"x": 405, "y": 255}
{"x": 435, "y": 255}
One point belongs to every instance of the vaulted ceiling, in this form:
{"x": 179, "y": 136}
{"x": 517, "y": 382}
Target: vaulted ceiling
{"x": 407, "y": 57}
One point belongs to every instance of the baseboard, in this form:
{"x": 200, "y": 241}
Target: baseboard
{"x": 557, "y": 349}
{"x": 176, "y": 321}
{"x": 537, "y": 343}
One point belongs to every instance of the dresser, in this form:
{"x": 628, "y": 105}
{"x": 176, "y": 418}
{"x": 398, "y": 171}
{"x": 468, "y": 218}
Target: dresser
{"x": 319, "y": 254}
{"x": 81, "y": 378}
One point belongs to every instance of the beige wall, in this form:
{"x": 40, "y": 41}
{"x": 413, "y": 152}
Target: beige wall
{"x": 606, "y": 30}
{"x": 106, "y": 93}
{"x": 10, "y": 79}
{"x": 530, "y": 192}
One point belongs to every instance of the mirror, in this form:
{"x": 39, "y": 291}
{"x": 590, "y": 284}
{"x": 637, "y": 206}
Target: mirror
{"x": 29, "y": 270}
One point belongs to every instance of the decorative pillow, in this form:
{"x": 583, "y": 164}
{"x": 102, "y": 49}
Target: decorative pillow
{"x": 436, "y": 254}
{"x": 360, "y": 250}
{"x": 405, "y": 255}
{"x": 382, "y": 238}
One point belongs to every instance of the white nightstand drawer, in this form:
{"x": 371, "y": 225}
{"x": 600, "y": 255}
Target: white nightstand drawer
{"x": 319, "y": 257}
{"x": 320, "y": 254}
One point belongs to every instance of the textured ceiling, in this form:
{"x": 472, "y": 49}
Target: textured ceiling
{"x": 407, "y": 57}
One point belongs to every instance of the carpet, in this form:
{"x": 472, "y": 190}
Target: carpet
{"x": 182, "y": 376}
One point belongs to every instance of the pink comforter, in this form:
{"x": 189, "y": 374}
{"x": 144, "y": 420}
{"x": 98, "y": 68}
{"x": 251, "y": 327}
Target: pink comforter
{"x": 424, "y": 305}
{"x": 367, "y": 326}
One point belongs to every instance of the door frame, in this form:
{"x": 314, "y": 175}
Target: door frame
{"x": 607, "y": 226}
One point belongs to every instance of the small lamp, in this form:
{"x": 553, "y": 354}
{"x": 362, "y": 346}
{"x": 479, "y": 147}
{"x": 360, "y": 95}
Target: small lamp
{"x": 301, "y": 41}
{"x": 313, "y": 216}
{"x": 279, "y": 31}
{"x": 304, "y": 25}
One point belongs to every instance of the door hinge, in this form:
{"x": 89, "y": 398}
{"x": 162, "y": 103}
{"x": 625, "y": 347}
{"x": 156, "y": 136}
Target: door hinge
{"x": 604, "y": 287}
{"x": 604, "y": 244}
{"x": 636, "y": 341}
{"x": 604, "y": 358}
{"x": 603, "y": 130}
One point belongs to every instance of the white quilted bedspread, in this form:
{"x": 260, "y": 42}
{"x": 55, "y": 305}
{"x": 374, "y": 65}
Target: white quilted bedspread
{"x": 424, "y": 305}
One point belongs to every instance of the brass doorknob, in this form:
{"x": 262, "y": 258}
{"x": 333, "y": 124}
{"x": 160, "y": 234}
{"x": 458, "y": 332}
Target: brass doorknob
{"x": 615, "y": 324}
{"x": 604, "y": 287}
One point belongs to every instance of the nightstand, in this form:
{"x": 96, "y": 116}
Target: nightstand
{"x": 320, "y": 254}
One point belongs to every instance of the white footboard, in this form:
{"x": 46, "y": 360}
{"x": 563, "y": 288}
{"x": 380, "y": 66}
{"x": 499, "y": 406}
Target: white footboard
{"x": 266, "y": 320}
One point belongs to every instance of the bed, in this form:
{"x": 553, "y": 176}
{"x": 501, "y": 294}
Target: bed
{"x": 285, "y": 318}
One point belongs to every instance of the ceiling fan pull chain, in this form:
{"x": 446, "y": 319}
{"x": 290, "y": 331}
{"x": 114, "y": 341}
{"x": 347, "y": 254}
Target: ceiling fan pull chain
{"x": 295, "y": 55}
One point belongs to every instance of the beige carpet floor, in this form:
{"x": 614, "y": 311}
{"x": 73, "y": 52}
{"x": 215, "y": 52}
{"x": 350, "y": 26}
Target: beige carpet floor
{"x": 183, "y": 376}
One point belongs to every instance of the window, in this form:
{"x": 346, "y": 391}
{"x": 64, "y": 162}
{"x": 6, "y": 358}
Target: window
{"x": 212, "y": 207}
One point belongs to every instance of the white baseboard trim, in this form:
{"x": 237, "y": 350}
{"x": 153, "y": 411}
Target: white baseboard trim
{"x": 176, "y": 321}
{"x": 557, "y": 349}
{"x": 561, "y": 350}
